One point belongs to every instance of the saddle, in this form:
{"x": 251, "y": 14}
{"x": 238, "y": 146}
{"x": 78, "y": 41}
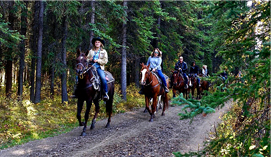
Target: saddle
{"x": 158, "y": 78}
{"x": 97, "y": 81}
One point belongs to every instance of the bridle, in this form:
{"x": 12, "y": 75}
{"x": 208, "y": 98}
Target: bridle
{"x": 149, "y": 72}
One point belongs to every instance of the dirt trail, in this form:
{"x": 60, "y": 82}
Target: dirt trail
{"x": 130, "y": 134}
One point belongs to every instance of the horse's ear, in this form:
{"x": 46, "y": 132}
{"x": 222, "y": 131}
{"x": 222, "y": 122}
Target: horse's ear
{"x": 149, "y": 66}
{"x": 78, "y": 52}
{"x": 87, "y": 51}
{"x": 141, "y": 64}
{"x": 172, "y": 71}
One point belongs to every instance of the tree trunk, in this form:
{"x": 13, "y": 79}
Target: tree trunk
{"x": 8, "y": 67}
{"x": 64, "y": 60}
{"x": 34, "y": 51}
{"x": 137, "y": 63}
{"x": 123, "y": 58}
{"x": 22, "y": 50}
{"x": 92, "y": 22}
{"x": 39, "y": 55}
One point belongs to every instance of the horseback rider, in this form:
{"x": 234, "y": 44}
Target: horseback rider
{"x": 98, "y": 58}
{"x": 224, "y": 74}
{"x": 194, "y": 70}
{"x": 205, "y": 72}
{"x": 155, "y": 61}
{"x": 182, "y": 67}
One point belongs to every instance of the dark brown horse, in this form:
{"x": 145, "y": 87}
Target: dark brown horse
{"x": 178, "y": 84}
{"x": 152, "y": 89}
{"x": 204, "y": 87}
{"x": 193, "y": 84}
{"x": 89, "y": 90}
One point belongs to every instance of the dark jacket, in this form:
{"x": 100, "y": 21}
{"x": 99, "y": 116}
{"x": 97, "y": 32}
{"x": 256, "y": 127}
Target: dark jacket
{"x": 182, "y": 65}
{"x": 224, "y": 74}
{"x": 194, "y": 70}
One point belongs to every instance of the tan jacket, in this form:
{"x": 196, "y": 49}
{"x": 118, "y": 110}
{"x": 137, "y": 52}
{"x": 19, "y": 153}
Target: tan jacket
{"x": 103, "y": 58}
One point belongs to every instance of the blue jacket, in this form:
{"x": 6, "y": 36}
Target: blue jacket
{"x": 155, "y": 62}
{"x": 182, "y": 65}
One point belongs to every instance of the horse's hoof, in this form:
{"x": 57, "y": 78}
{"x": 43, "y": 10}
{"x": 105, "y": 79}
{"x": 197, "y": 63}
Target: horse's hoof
{"x": 163, "y": 114}
{"x": 107, "y": 125}
{"x": 92, "y": 127}
{"x": 83, "y": 134}
{"x": 82, "y": 124}
{"x": 145, "y": 110}
{"x": 151, "y": 120}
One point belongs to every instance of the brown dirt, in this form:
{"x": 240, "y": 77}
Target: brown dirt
{"x": 131, "y": 134}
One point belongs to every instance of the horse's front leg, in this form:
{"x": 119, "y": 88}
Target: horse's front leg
{"x": 97, "y": 110}
{"x": 174, "y": 92}
{"x": 154, "y": 104}
{"x": 79, "y": 110}
{"x": 88, "y": 102}
{"x": 147, "y": 101}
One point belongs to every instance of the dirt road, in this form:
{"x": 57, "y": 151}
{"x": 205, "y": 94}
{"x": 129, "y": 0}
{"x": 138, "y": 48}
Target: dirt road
{"x": 131, "y": 134}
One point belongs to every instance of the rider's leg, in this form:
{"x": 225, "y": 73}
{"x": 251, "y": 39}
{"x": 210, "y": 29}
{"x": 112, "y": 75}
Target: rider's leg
{"x": 198, "y": 80}
{"x": 104, "y": 83}
{"x": 141, "y": 90}
{"x": 185, "y": 80}
{"x": 75, "y": 92}
{"x": 161, "y": 75}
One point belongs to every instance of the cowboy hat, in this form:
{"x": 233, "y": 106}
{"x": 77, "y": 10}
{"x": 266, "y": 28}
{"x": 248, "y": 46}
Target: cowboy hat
{"x": 99, "y": 39}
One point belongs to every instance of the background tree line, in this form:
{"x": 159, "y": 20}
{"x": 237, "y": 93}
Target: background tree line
{"x": 39, "y": 39}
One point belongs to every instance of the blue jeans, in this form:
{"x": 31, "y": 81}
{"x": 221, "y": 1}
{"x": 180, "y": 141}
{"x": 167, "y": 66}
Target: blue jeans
{"x": 160, "y": 74}
{"x": 198, "y": 80}
{"x": 185, "y": 77}
{"x": 102, "y": 76}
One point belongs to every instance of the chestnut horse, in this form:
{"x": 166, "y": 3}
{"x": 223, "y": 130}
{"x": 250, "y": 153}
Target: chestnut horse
{"x": 193, "y": 84}
{"x": 89, "y": 90}
{"x": 178, "y": 84}
{"x": 152, "y": 89}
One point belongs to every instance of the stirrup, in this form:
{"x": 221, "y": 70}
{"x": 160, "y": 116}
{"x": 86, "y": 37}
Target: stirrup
{"x": 106, "y": 97}
{"x": 166, "y": 89}
{"x": 74, "y": 96}
{"x": 141, "y": 92}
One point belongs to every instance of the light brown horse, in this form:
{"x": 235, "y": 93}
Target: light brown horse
{"x": 152, "y": 88}
{"x": 178, "y": 84}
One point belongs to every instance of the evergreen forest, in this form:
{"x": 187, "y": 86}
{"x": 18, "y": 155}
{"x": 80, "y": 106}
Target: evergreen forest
{"x": 39, "y": 40}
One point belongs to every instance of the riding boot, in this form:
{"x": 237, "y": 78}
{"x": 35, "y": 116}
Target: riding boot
{"x": 141, "y": 90}
{"x": 106, "y": 97}
{"x": 75, "y": 93}
{"x": 186, "y": 85}
{"x": 166, "y": 89}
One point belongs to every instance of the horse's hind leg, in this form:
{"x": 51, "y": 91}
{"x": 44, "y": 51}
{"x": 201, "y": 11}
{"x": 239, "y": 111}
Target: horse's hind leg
{"x": 165, "y": 104}
{"x": 79, "y": 109}
{"x": 109, "y": 108}
{"x": 97, "y": 110}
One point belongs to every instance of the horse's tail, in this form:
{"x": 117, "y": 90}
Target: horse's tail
{"x": 109, "y": 103}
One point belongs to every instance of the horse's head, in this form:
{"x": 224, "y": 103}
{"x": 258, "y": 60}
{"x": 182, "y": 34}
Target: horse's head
{"x": 145, "y": 73}
{"x": 175, "y": 76}
{"x": 81, "y": 62}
